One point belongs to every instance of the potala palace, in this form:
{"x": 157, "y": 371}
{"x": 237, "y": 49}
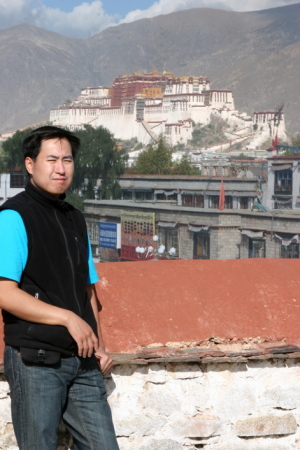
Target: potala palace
{"x": 144, "y": 106}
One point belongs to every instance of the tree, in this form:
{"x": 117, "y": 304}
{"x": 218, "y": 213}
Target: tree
{"x": 211, "y": 134}
{"x": 156, "y": 159}
{"x": 75, "y": 200}
{"x": 185, "y": 167}
{"x": 12, "y": 150}
{"x": 296, "y": 140}
{"x": 98, "y": 158}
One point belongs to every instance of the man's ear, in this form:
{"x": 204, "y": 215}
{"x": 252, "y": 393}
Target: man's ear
{"x": 28, "y": 164}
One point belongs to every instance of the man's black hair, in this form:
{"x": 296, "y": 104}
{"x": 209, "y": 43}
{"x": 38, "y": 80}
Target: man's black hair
{"x": 32, "y": 143}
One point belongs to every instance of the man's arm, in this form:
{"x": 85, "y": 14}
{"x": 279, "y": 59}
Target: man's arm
{"x": 104, "y": 360}
{"x": 26, "y": 307}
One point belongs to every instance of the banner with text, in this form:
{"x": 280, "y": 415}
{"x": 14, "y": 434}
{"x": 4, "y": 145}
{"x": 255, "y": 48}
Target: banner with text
{"x": 137, "y": 230}
{"x": 108, "y": 234}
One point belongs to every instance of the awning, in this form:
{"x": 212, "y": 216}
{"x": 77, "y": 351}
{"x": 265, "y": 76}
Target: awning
{"x": 287, "y": 242}
{"x": 130, "y": 189}
{"x": 191, "y": 192}
{"x": 244, "y": 194}
{"x": 285, "y": 199}
{"x": 253, "y": 234}
{"x": 197, "y": 228}
{"x": 167, "y": 193}
{"x": 167, "y": 224}
{"x": 277, "y": 167}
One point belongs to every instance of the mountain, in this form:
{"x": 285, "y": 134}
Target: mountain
{"x": 255, "y": 54}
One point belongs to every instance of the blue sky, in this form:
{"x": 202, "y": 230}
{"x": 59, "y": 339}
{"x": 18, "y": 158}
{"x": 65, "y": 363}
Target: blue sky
{"x": 119, "y": 7}
{"x": 81, "y": 19}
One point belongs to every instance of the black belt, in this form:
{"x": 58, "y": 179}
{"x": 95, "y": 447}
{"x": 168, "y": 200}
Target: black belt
{"x": 40, "y": 356}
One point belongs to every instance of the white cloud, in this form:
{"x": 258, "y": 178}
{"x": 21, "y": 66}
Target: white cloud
{"x": 14, "y": 12}
{"x": 90, "y": 18}
{"x": 83, "y": 21}
{"x": 169, "y": 6}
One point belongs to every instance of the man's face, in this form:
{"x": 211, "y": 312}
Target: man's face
{"x": 52, "y": 171}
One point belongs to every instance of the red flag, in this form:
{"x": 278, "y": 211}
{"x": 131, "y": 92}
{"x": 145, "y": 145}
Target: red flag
{"x": 222, "y": 196}
{"x": 275, "y": 141}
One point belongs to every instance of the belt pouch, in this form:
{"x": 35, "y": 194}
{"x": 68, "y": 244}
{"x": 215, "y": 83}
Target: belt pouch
{"x": 33, "y": 355}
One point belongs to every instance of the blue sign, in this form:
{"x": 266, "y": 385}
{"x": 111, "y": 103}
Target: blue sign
{"x": 107, "y": 234}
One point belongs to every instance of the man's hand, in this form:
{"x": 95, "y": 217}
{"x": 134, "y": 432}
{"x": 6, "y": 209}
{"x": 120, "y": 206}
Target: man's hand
{"x": 104, "y": 360}
{"x": 27, "y": 307}
{"x": 82, "y": 333}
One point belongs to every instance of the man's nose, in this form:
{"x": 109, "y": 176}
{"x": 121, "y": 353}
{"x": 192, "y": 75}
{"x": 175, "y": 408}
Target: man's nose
{"x": 59, "y": 166}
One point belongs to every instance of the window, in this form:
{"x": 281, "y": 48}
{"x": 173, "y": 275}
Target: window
{"x": 144, "y": 195}
{"x": 187, "y": 200}
{"x": 283, "y": 203}
{"x": 194, "y": 200}
{"x": 201, "y": 245}
{"x": 170, "y": 239}
{"x": 17, "y": 180}
{"x": 257, "y": 248}
{"x": 244, "y": 202}
{"x": 290, "y": 251}
{"x": 283, "y": 182}
{"x": 161, "y": 196}
{"x": 214, "y": 201}
{"x": 93, "y": 231}
{"x": 198, "y": 201}
{"x": 126, "y": 195}
{"x": 228, "y": 202}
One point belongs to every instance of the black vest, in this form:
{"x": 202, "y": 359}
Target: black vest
{"x": 56, "y": 271}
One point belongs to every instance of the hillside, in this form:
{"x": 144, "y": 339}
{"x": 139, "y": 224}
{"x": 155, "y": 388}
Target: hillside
{"x": 256, "y": 54}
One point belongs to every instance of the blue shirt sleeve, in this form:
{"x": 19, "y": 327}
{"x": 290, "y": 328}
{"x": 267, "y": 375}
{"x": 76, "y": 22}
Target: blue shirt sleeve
{"x": 14, "y": 248}
{"x": 93, "y": 276}
{"x": 13, "y": 245}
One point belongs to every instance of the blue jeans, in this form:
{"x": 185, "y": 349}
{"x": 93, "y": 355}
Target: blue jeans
{"x": 72, "y": 390}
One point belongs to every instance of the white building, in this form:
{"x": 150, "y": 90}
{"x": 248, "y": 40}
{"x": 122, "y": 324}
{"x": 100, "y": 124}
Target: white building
{"x": 145, "y": 106}
{"x": 10, "y": 185}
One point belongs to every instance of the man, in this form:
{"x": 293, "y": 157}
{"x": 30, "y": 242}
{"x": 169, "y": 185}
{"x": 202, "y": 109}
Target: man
{"x": 54, "y": 356}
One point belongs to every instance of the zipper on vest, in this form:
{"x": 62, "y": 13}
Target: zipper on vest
{"x": 77, "y": 248}
{"x": 70, "y": 260}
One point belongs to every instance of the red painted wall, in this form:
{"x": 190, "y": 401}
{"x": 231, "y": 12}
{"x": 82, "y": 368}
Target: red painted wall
{"x": 173, "y": 301}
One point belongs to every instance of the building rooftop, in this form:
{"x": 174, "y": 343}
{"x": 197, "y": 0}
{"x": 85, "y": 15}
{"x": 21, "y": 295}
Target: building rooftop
{"x": 159, "y": 205}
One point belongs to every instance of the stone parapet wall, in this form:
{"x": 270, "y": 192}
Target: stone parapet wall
{"x": 253, "y": 405}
